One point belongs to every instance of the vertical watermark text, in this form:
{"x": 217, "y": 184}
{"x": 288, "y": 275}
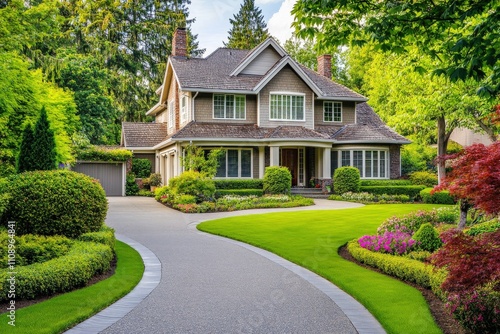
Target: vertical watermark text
{"x": 11, "y": 273}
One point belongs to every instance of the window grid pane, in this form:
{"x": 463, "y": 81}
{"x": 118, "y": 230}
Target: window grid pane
{"x": 232, "y": 163}
{"x": 337, "y": 112}
{"x": 287, "y": 107}
{"x": 246, "y": 163}
{"x": 375, "y": 163}
{"x": 358, "y": 161}
{"x": 382, "y": 164}
{"x": 368, "y": 164}
{"x": 219, "y": 106}
{"x": 328, "y": 112}
{"x": 346, "y": 158}
{"x": 221, "y": 170}
{"x": 239, "y": 110}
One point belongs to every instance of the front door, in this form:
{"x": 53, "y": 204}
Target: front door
{"x": 290, "y": 159}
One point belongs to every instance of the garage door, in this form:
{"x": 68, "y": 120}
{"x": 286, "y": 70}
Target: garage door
{"x": 110, "y": 175}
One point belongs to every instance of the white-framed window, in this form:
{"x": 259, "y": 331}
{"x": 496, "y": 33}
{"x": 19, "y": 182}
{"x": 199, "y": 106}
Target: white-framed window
{"x": 286, "y": 107}
{"x": 171, "y": 114}
{"x": 184, "y": 109}
{"x": 228, "y": 106}
{"x": 372, "y": 163}
{"x": 235, "y": 163}
{"x": 332, "y": 111}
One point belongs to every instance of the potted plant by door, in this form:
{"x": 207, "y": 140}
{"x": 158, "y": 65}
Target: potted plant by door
{"x": 154, "y": 181}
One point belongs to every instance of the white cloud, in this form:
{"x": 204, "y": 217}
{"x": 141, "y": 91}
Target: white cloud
{"x": 279, "y": 24}
{"x": 265, "y": 2}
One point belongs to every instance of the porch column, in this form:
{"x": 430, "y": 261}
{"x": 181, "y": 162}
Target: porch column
{"x": 318, "y": 163}
{"x": 162, "y": 168}
{"x": 274, "y": 156}
{"x": 327, "y": 154}
{"x": 262, "y": 161}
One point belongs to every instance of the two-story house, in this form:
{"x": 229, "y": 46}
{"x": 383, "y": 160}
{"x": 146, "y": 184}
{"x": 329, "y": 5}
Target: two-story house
{"x": 264, "y": 109}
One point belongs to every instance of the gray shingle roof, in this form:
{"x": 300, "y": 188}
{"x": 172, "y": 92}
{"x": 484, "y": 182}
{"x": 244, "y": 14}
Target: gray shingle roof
{"x": 143, "y": 134}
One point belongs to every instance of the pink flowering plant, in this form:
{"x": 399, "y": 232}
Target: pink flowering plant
{"x": 396, "y": 243}
{"x": 411, "y": 222}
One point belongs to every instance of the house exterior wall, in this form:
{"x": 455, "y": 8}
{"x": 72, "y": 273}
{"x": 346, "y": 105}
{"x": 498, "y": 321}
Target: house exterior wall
{"x": 395, "y": 162}
{"x": 263, "y": 62}
{"x": 204, "y": 110}
{"x": 348, "y": 113}
{"x": 286, "y": 81}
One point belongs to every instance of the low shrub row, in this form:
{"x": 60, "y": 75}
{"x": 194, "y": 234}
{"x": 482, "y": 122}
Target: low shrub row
{"x": 370, "y": 198}
{"x": 403, "y": 268}
{"x": 424, "y": 178}
{"x": 239, "y": 184}
{"x": 412, "y": 191}
{"x": 385, "y": 183}
{"x": 62, "y": 274}
{"x": 411, "y": 222}
{"x": 239, "y": 192}
{"x": 105, "y": 236}
{"x": 100, "y": 153}
{"x": 486, "y": 227}
{"x": 441, "y": 197}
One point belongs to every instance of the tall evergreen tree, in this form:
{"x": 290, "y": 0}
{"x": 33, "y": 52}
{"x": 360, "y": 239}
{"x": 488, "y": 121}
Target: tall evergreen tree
{"x": 25, "y": 161}
{"x": 44, "y": 144}
{"x": 248, "y": 27}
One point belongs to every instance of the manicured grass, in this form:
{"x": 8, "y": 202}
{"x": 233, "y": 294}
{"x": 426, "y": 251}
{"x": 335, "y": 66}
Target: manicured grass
{"x": 65, "y": 311}
{"x": 312, "y": 238}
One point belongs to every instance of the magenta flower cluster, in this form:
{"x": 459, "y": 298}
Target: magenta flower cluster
{"x": 390, "y": 242}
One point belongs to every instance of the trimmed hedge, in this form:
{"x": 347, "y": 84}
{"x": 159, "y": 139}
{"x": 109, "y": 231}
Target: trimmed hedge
{"x": 385, "y": 183}
{"x": 403, "y": 268}
{"x": 57, "y": 202}
{"x": 105, "y": 236}
{"x": 487, "y": 227}
{"x": 99, "y": 153}
{"x": 277, "y": 180}
{"x": 239, "y": 192}
{"x": 346, "y": 179}
{"x": 427, "y": 179}
{"x": 412, "y": 191}
{"x": 439, "y": 197}
{"x": 239, "y": 184}
{"x": 65, "y": 273}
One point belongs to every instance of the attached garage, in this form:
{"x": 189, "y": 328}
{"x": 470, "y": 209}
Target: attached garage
{"x": 111, "y": 175}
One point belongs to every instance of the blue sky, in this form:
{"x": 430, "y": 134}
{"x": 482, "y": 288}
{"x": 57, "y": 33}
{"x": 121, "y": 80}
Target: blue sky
{"x": 212, "y": 19}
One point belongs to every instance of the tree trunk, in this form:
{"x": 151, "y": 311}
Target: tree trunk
{"x": 489, "y": 131}
{"x": 464, "y": 209}
{"x": 442, "y": 144}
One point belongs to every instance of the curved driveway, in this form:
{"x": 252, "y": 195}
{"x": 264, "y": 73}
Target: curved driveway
{"x": 210, "y": 285}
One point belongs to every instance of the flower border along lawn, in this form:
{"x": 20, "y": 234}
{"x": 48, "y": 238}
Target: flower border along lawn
{"x": 311, "y": 239}
{"x": 62, "y": 312}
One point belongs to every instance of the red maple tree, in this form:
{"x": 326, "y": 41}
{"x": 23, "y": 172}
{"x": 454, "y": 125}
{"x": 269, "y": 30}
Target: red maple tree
{"x": 475, "y": 179}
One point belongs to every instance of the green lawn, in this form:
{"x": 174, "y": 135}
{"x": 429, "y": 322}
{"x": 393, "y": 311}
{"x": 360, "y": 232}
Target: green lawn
{"x": 312, "y": 238}
{"x": 62, "y": 312}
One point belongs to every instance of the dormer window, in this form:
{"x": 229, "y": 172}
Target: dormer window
{"x": 332, "y": 111}
{"x": 229, "y": 106}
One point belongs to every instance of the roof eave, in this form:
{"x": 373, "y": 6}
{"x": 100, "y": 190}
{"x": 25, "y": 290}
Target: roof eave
{"x": 388, "y": 141}
{"x": 342, "y": 98}
{"x": 155, "y": 109}
{"x": 211, "y": 90}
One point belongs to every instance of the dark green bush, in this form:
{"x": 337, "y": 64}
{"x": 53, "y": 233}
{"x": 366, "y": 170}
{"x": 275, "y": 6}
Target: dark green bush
{"x": 141, "y": 167}
{"x": 62, "y": 274}
{"x": 346, "y": 179}
{"x": 56, "y": 203}
{"x": 277, "y": 180}
{"x": 106, "y": 236}
{"x": 412, "y": 191}
{"x": 427, "y": 238}
{"x": 427, "y": 179}
{"x": 131, "y": 187}
{"x": 239, "y": 184}
{"x": 401, "y": 267}
{"x": 239, "y": 192}
{"x": 192, "y": 183}
{"x": 439, "y": 197}
{"x": 383, "y": 183}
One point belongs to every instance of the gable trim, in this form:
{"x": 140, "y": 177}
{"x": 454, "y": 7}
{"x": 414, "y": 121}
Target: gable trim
{"x": 257, "y": 51}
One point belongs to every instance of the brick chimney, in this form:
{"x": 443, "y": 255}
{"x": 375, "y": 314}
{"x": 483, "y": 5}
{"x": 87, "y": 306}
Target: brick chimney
{"x": 179, "y": 43}
{"x": 325, "y": 66}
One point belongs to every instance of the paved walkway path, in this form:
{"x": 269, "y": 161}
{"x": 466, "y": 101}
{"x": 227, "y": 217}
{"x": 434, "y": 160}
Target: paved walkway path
{"x": 215, "y": 285}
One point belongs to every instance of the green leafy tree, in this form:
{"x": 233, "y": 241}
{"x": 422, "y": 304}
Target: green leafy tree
{"x": 248, "y": 28}
{"x": 44, "y": 144}
{"x": 25, "y": 160}
{"x": 461, "y": 35}
{"x": 199, "y": 160}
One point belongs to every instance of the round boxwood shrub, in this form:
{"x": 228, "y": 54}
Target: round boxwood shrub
{"x": 277, "y": 180}
{"x": 57, "y": 202}
{"x": 427, "y": 238}
{"x": 346, "y": 179}
{"x": 192, "y": 183}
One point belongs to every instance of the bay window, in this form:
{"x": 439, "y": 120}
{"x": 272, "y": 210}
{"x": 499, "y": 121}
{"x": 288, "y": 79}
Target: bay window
{"x": 372, "y": 164}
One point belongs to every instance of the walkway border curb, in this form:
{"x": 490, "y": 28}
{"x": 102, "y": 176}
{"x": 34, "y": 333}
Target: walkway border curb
{"x": 149, "y": 281}
{"x": 362, "y": 320}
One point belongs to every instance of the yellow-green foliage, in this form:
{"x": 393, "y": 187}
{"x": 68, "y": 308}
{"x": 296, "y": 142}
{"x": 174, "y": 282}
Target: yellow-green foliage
{"x": 99, "y": 153}
{"x": 403, "y": 268}
{"x": 106, "y": 236}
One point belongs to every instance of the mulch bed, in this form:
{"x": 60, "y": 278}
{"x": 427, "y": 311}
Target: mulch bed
{"x": 94, "y": 280}
{"x": 439, "y": 312}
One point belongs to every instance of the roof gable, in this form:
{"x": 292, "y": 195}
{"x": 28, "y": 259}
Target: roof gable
{"x": 260, "y": 57}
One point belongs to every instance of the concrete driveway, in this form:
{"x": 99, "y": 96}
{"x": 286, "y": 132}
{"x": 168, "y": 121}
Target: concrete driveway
{"x": 213, "y": 285}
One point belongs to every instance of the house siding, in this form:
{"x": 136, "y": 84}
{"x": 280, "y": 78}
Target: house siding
{"x": 263, "y": 62}
{"x": 286, "y": 81}
{"x": 348, "y": 113}
{"x": 203, "y": 108}
{"x": 395, "y": 163}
